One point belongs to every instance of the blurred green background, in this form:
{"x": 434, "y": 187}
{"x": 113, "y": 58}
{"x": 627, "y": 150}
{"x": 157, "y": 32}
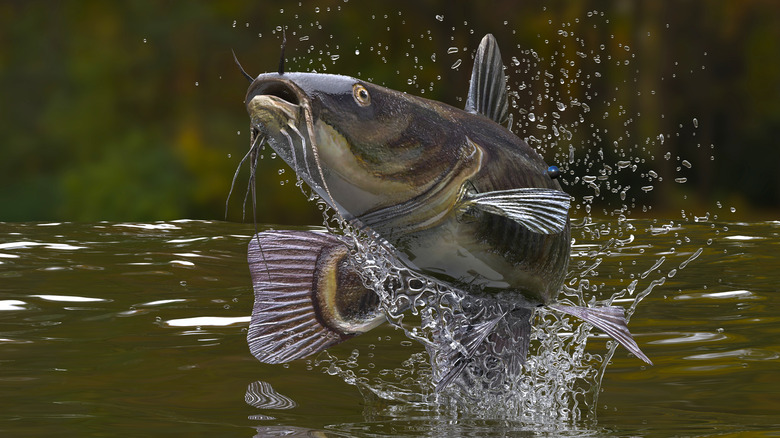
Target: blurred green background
{"x": 134, "y": 110}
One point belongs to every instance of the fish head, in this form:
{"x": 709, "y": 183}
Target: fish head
{"x": 362, "y": 147}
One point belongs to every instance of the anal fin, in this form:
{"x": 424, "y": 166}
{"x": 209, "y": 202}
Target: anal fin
{"x": 610, "y": 320}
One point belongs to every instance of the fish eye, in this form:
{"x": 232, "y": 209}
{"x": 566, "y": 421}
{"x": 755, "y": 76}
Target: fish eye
{"x": 360, "y": 94}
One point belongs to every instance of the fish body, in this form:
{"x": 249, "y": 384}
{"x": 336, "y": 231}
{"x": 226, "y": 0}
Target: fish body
{"x": 455, "y": 195}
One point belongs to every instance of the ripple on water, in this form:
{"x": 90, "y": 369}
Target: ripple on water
{"x": 724, "y": 295}
{"x": 199, "y": 321}
{"x": 48, "y": 245}
{"x": 694, "y": 337}
{"x": 69, "y": 298}
{"x": 12, "y": 305}
{"x": 749, "y": 354}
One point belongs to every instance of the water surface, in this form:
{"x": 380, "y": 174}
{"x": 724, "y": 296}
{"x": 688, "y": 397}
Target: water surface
{"x": 138, "y": 329}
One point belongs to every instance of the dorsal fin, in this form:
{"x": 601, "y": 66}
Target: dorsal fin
{"x": 487, "y": 92}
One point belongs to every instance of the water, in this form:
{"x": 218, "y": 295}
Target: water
{"x": 139, "y": 330}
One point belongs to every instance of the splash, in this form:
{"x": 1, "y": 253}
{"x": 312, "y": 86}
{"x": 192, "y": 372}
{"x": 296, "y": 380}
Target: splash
{"x": 570, "y": 98}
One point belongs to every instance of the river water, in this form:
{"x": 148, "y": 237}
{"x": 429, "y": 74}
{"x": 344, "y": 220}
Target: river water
{"x": 139, "y": 329}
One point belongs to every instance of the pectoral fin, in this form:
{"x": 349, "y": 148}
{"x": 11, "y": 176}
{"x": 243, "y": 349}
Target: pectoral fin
{"x": 543, "y": 211}
{"x": 307, "y": 296}
{"x": 487, "y": 91}
{"x": 610, "y": 320}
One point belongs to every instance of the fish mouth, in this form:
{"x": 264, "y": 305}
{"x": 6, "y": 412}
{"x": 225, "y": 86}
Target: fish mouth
{"x": 281, "y": 116}
{"x": 274, "y": 104}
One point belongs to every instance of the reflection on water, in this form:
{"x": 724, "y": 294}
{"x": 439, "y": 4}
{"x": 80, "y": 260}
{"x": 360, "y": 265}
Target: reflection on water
{"x": 118, "y": 338}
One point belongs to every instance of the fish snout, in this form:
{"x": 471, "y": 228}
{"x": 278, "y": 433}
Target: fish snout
{"x": 273, "y": 104}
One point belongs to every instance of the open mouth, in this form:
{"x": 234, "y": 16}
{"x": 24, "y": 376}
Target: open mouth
{"x": 281, "y": 117}
{"x": 277, "y": 89}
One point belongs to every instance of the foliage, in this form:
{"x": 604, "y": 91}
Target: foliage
{"x": 133, "y": 110}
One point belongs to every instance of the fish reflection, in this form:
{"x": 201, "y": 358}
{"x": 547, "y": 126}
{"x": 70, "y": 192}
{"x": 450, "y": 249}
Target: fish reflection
{"x": 262, "y": 395}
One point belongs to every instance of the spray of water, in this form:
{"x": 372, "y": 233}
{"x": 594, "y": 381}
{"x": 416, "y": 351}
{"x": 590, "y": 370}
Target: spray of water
{"x": 577, "y": 117}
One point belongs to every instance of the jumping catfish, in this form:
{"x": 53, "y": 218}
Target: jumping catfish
{"x": 456, "y": 195}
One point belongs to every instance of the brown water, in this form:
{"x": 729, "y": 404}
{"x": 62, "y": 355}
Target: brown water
{"x": 139, "y": 330}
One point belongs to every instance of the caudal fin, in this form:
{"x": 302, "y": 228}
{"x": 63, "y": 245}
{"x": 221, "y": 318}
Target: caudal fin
{"x": 611, "y": 320}
{"x": 308, "y": 297}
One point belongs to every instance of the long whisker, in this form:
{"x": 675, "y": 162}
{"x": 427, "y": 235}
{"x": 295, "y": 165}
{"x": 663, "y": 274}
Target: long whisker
{"x": 251, "y": 183}
{"x": 284, "y": 44}
{"x": 303, "y": 148}
{"x": 246, "y": 75}
{"x": 254, "y": 153}
{"x": 254, "y": 140}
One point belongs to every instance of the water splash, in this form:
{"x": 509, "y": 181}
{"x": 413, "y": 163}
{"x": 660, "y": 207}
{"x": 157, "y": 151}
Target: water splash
{"x": 569, "y": 97}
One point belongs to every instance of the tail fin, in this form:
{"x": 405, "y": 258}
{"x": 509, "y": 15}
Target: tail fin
{"x": 308, "y": 297}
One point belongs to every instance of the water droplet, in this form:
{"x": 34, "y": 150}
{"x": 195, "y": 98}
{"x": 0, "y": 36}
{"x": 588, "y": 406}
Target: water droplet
{"x": 357, "y": 52}
{"x": 531, "y": 117}
{"x": 695, "y": 122}
{"x": 732, "y": 209}
{"x": 452, "y": 50}
{"x": 440, "y": 17}
{"x": 686, "y": 163}
{"x": 334, "y": 57}
{"x": 456, "y": 64}
{"x": 196, "y": 84}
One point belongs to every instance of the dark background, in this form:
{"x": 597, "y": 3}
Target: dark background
{"x": 134, "y": 110}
